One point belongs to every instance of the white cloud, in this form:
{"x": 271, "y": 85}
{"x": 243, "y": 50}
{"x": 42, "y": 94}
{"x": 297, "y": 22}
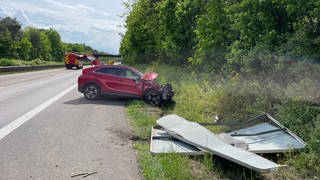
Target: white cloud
{"x": 75, "y": 22}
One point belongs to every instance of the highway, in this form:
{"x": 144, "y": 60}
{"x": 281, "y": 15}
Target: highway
{"x": 48, "y": 130}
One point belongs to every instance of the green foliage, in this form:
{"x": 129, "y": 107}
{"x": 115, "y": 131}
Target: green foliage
{"x": 221, "y": 36}
{"x": 177, "y": 23}
{"x": 212, "y": 35}
{"x": 160, "y": 29}
{"x": 6, "y": 44}
{"x": 17, "y": 62}
{"x": 57, "y": 49}
{"x": 164, "y": 167}
{"x": 45, "y": 46}
{"x": 138, "y": 45}
{"x": 34, "y": 37}
{"x": 200, "y": 97}
{"x": 24, "y": 48}
{"x": 9, "y": 62}
{"x": 142, "y": 121}
{"x": 304, "y": 120}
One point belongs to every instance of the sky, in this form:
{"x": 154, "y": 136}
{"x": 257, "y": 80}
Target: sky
{"x": 95, "y": 23}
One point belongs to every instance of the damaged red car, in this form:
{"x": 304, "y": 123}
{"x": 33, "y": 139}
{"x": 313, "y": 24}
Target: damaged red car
{"x": 123, "y": 81}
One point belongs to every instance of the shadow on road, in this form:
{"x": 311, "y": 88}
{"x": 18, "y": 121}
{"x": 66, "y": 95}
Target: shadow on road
{"x": 102, "y": 101}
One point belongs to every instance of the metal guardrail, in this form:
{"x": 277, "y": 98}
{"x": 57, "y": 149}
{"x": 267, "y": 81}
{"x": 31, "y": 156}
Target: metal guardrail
{"x": 27, "y": 68}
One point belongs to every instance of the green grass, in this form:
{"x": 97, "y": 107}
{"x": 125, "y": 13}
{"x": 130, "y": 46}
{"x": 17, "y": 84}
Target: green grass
{"x": 168, "y": 166}
{"x": 18, "y": 62}
{"x": 202, "y": 96}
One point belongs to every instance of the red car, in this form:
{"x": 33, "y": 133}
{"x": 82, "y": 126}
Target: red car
{"x": 123, "y": 81}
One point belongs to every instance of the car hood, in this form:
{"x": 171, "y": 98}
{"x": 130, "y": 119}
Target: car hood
{"x": 150, "y": 76}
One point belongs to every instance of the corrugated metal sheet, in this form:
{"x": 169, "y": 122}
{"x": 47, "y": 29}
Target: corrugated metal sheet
{"x": 279, "y": 141}
{"x": 162, "y": 142}
{"x": 197, "y": 135}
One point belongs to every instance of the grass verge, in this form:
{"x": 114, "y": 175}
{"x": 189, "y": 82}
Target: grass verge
{"x": 201, "y": 96}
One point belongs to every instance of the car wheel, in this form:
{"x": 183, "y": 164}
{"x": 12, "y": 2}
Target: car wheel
{"x": 153, "y": 97}
{"x": 91, "y": 91}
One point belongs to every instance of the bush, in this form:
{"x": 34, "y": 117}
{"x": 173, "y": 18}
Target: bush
{"x": 9, "y": 62}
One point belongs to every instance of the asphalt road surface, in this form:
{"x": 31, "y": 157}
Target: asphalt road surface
{"x": 48, "y": 130}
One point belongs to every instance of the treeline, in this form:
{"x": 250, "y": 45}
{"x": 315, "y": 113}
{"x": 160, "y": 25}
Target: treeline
{"x": 31, "y": 43}
{"x": 221, "y": 34}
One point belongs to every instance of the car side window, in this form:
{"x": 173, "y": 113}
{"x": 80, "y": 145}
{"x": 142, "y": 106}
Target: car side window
{"x": 127, "y": 73}
{"x": 122, "y": 72}
{"x": 108, "y": 70}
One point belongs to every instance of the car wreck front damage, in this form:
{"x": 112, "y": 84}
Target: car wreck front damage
{"x": 154, "y": 91}
{"x": 165, "y": 90}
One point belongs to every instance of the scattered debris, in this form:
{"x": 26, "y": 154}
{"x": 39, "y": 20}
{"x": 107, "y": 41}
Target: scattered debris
{"x": 81, "y": 174}
{"x": 264, "y": 134}
{"x": 267, "y": 136}
{"x": 89, "y": 174}
{"x": 175, "y": 134}
{"x": 84, "y": 174}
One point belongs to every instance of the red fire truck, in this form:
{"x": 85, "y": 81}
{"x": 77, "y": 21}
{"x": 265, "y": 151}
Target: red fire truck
{"x": 72, "y": 60}
{"x": 76, "y": 60}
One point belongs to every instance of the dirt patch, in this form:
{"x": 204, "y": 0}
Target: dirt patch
{"x": 123, "y": 135}
{"x": 199, "y": 171}
{"x": 152, "y": 111}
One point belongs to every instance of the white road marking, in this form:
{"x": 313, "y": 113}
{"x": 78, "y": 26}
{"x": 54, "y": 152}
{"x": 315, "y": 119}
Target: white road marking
{"x": 26, "y": 117}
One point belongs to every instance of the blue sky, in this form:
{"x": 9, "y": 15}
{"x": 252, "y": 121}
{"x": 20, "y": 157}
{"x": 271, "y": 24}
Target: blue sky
{"x": 96, "y": 23}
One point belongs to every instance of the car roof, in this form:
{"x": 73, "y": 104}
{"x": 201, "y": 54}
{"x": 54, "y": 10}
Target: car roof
{"x": 107, "y": 65}
{"x": 116, "y": 66}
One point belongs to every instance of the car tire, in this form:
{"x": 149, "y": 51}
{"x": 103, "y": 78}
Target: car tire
{"x": 91, "y": 92}
{"x": 153, "y": 97}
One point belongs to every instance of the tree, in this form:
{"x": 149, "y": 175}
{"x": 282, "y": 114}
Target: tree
{"x": 177, "y": 25}
{"x": 33, "y": 36}
{"x": 139, "y": 42}
{"x": 75, "y": 47}
{"x": 6, "y": 44}
{"x": 11, "y": 25}
{"x": 41, "y": 46}
{"x": 45, "y": 46}
{"x": 57, "y": 49}
{"x": 10, "y": 34}
{"x": 213, "y": 36}
{"x": 24, "y": 48}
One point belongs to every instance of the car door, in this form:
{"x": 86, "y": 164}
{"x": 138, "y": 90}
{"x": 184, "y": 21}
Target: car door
{"x": 116, "y": 81}
{"x": 130, "y": 82}
{"x": 109, "y": 78}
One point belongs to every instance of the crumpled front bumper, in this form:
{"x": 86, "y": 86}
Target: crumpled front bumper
{"x": 167, "y": 92}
